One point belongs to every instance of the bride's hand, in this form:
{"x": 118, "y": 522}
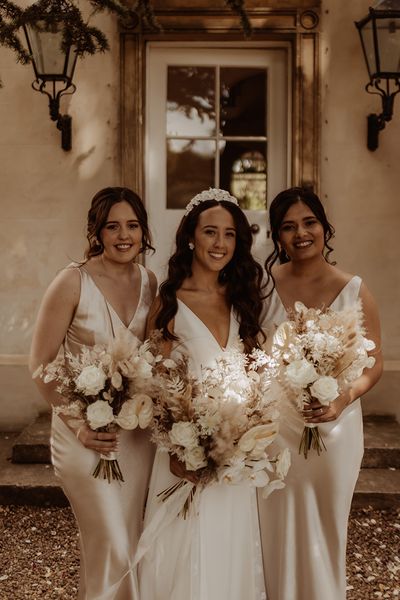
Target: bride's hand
{"x": 178, "y": 469}
{"x": 100, "y": 441}
{"x": 318, "y": 413}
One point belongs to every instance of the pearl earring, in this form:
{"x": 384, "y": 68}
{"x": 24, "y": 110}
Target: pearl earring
{"x": 191, "y": 246}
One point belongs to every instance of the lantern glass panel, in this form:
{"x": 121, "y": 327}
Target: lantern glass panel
{"x": 51, "y": 62}
{"x": 387, "y": 5}
{"x": 388, "y": 35}
{"x": 367, "y": 38}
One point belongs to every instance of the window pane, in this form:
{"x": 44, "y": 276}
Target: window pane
{"x": 191, "y": 101}
{"x": 243, "y": 171}
{"x": 243, "y": 101}
{"x": 190, "y": 169}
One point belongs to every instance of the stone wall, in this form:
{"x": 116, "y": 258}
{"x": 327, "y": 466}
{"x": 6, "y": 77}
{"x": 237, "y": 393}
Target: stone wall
{"x": 46, "y": 192}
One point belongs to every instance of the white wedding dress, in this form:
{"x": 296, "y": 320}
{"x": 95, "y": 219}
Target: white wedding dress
{"x": 215, "y": 553}
{"x": 109, "y": 515}
{"x": 304, "y": 527}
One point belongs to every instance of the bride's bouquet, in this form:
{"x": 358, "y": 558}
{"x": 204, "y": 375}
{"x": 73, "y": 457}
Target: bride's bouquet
{"x": 219, "y": 427}
{"x": 319, "y": 354}
{"x": 105, "y": 386}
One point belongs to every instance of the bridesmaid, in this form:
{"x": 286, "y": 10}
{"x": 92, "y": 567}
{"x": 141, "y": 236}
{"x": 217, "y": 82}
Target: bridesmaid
{"x": 304, "y": 528}
{"x": 85, "y": 305}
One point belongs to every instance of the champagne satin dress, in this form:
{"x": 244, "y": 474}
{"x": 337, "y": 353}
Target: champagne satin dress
{"x": 109, "y": 516}
{"x": 304, "y": 527}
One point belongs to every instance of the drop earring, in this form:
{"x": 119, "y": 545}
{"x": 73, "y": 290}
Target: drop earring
{"x": 191, "y": 246}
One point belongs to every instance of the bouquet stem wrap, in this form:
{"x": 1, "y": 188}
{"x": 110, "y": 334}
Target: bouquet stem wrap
{"x": 108, "y": 468}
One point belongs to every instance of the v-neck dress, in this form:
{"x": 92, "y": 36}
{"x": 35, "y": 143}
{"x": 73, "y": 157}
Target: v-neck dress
{"x": 215, "y": 553}
{"x": 109, "y": 515}
{"x": 304, "y": 528}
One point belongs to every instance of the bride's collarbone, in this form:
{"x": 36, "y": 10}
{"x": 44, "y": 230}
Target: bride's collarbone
{"x": 213, "y": 312}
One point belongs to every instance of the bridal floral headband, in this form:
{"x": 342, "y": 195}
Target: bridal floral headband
{"x": 210, "y": 194}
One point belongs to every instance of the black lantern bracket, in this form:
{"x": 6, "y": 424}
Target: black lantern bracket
{"x": 377, "y": 122}
{"x": 380, "y": 40}
{"x": 54, "y": 65}
{"x": 63, "y": 122}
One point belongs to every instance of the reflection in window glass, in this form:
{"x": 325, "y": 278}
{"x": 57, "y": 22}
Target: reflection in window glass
{"x": 191, "y": 101}
{"x": 217, "y": 141}
{"x": 190, "y": 169}
{"x": 243, "y": 101}
{"x": 243, "y": 171}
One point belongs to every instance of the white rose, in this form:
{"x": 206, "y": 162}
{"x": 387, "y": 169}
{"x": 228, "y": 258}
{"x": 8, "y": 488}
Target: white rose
{"x": 99, "y": 414}
{"x": 91, "y": 380}
{"x": 195, "y": 458}
{"x": 283, "y": 463}
{"x": 325, "y": 389}
{"x": 300, "y": 373}
{"x": 258, "y": 438}
{"x": 183, "y": 434}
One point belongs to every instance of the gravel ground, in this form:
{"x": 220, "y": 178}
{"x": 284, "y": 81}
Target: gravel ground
{"x": 39, "y": 554}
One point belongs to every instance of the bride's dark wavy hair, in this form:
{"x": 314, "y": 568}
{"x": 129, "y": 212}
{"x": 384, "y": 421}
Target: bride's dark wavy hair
{"x": 277, "y": 211}
{"x": 101, "y": 205}
{"x": 242, "y": 276}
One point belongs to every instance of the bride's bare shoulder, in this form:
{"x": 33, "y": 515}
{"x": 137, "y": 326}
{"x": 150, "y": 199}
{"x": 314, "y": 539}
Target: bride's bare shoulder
{"x": 339, "y": 276}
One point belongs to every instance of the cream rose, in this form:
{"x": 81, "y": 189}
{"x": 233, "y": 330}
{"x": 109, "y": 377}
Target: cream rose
{"x": 325, "y": 389}
{"x": 91, "y": 380}
{"x": 183, "y": 434}
{"x": 301, "y": 373}
{"x": 195, "y": 458}
{"x": 99, "y": 414}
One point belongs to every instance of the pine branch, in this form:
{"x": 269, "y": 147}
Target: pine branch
{"x": 112, "y": 6}
{"x": 238, "y": 7}
{"x": 144, "y": 10}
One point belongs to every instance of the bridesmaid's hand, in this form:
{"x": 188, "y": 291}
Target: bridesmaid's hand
{"x": 100, "y": 441}
{"x": 318, "y": 413}
{"x": 178, "y": 469}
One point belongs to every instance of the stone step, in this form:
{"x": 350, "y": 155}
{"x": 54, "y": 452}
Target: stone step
{"x": 381, "y": 438}
{"x": 23, "y": 482}
{"x": 379, "y": 488}
{"x": 382, "y": 442}
{"x": 27, "y": 484}
{"x": 33, "y": 444}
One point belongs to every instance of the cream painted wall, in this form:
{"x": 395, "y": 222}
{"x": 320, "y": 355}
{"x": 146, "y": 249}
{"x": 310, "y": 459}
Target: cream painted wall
{"x": 46, "y": 193}
{"x": 45, "y": 197}
{"x": 361, "y": 189}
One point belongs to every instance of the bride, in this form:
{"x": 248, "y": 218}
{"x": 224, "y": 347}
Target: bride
{"x": 210, "y": 298}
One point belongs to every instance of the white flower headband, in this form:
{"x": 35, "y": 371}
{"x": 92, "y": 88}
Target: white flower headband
{"x": 210, "y": 194}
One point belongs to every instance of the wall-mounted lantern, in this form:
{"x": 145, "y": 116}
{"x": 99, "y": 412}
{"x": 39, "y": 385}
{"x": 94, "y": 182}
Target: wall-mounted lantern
{"x": 380, "y": 38}
{"x": 54, "y": 67}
